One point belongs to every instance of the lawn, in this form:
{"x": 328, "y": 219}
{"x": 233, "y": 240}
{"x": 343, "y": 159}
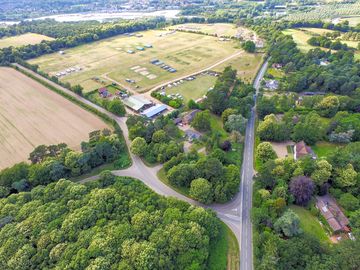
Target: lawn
{"x": 193, "y": 89}
{"x": 310, "y": 224}
{"x": 217, "y": 125}
{"x": 219, "y": 29}
{"x": 323, "y": 149}
{"x": 109, "y": 60}
{"x": 31, "y": 115}
{"x": 224, "y": 254}
{"x": 21, "y": 40}
{"x": 246, "y": 64}
{"x": 276, "y": 73}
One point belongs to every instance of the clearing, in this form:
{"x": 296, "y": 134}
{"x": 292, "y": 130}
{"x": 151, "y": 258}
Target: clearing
{"x": 128, "y": 57}
{"x": 353, "y": 20}
{"x": 31, "y": 114}
{"x": 21, "y": 40}
{"x": 310, "y": 224}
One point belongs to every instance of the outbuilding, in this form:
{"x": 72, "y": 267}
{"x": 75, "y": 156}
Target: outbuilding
{"x": 154, "y": 110}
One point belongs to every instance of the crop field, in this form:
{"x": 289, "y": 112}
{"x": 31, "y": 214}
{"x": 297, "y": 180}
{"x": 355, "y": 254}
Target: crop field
{"x": 246, "y": 64}
{"x": 25, "y": 39}
{"x": 128, "y": 57}
{"x": 193, "y": 89}
{"x": 31, "y": 114}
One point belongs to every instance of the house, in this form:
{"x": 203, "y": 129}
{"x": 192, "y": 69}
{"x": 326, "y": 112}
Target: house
{"x": 154, "y": 110}
{"x": 332, "y": 213}
{"x": 302, "y": 150}
{"x": 272, "y": 84}
{"x": 137, "y": 103}
{"x": 277, "y": 65}
{"x": 103, "y": 92}
{"x": 192, "y": 135}
{"x": 187, "y": 119}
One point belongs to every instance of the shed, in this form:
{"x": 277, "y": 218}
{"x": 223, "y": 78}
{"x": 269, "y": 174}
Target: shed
{"x": 155, "y": 110}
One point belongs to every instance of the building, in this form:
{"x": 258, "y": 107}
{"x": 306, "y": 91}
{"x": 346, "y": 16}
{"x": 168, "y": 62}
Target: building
{"x": 332, "y": 213}
{"x": 187, "y": 119}
{"x": 302, "y": 150}
{"x": 277, "y": 65}
{"x": 154, "y": 110}
{"x": 137, "y": 103}
{"x": 272, "y": 84}
{"x": 103, "y": 92}
{"x": 192, "y": 135}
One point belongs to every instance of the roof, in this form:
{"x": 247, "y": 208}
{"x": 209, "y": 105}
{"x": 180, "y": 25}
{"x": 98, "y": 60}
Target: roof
{"x": 190, "y": 116}
{"x": 332, "y": 213}
{"x": 136, "y": 102}
{"x": 152, "y": 111}
{"x": 301, "y": 149}
{"x": 192, "y": 134}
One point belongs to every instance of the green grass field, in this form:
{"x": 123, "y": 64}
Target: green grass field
{"x": 276, "y": 73}
{"x": 108, "y": 59}
{"x": 21, "y": 40}
{"x": 323, "y": 149}
{"x": 310, "y": 224}
{"x": 193, "y": 89}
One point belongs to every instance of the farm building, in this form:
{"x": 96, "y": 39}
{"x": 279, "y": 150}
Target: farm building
{"x": 154, "y": 110}
{"x": 137, "y": 103}
{"x": 302, "y": 150}
{"x": 332, "y": 213}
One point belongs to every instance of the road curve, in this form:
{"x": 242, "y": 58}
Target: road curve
{"x": 236, "y": 213}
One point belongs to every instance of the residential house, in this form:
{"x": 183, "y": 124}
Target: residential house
{"x": 187, "y": 119}
{"x": 302, "y": 150}
{"x": 192, "y": 135}
{"x": 272, "y": 84}
{"x": 332, "y": 213}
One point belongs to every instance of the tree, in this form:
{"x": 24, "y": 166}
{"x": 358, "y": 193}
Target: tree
{"x": 160, "y": 136}
{"x": 322, "y": 172}
{"x": 265, "y": 152}
{"x": 138, "y": 146}
{"x": 302, "y": 188}
{"x": 310, "y": 129}
{"x": 288, "y": 224}
{"x": 227, "y": 113}
{"x": 200, "y": 189}
{"x": 328, "y": 106}
{"x": 236, "y": 122}
{"x": 193, "y": 105}
{"x": 117, "y": 107}
{"x": 249, "y": 46}
{"x": 346, "y": 177}
{"x": 349, "y": 202}
{"x": 201, "y": 121}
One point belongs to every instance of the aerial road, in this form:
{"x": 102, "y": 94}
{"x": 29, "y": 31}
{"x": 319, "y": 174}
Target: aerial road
{"x": 236, "y": 213}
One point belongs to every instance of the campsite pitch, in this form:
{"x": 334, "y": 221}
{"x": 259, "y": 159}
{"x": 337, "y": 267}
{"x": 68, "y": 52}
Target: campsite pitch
{"x": 31, "y": 114}
{"x": 126, "y": 59}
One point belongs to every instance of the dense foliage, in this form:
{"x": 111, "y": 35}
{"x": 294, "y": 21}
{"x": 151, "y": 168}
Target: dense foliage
{"x": 53, "y": 162}
{"x": 113, "y": 223}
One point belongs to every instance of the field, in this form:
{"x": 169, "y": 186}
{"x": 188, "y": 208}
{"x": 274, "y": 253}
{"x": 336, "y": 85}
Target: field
{"x": 310, "y": 224}
{"x": 193, "y": 89}
{"x": 324, "y": 149}
{"x": 31, "y": 114}
{"x": 220, "y": 29}
{"x": 110, "y": 61}
{"x": 301, "y": 37}
{"x": 353, "y": 20}
{"x": 246, "y": 64}
{"x": 25, "y": 39}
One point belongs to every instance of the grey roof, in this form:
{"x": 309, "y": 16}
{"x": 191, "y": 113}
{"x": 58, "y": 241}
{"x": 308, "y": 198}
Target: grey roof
{"x": 152, "y": 111}
{"x": 136, "y": 102}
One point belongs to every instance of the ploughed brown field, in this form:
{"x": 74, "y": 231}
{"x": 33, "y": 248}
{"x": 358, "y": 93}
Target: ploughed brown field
{"x": 31, "y": 114}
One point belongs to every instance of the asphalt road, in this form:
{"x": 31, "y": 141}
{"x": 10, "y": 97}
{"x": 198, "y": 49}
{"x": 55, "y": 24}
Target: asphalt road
{"x": 236, "y": 213}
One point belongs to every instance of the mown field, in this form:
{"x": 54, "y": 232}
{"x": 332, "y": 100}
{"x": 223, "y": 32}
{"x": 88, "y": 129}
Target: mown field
{"x": 246, "y": 64}
{"x": 109, "y": 60}
{"x": 31, "y": 114}
{"x": 25, "y": 39}
{"x": 353, "y": 20}
{"x": 193, "y": 89}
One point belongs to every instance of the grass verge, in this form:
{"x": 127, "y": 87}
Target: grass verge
{"x": 224, "y": 253}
